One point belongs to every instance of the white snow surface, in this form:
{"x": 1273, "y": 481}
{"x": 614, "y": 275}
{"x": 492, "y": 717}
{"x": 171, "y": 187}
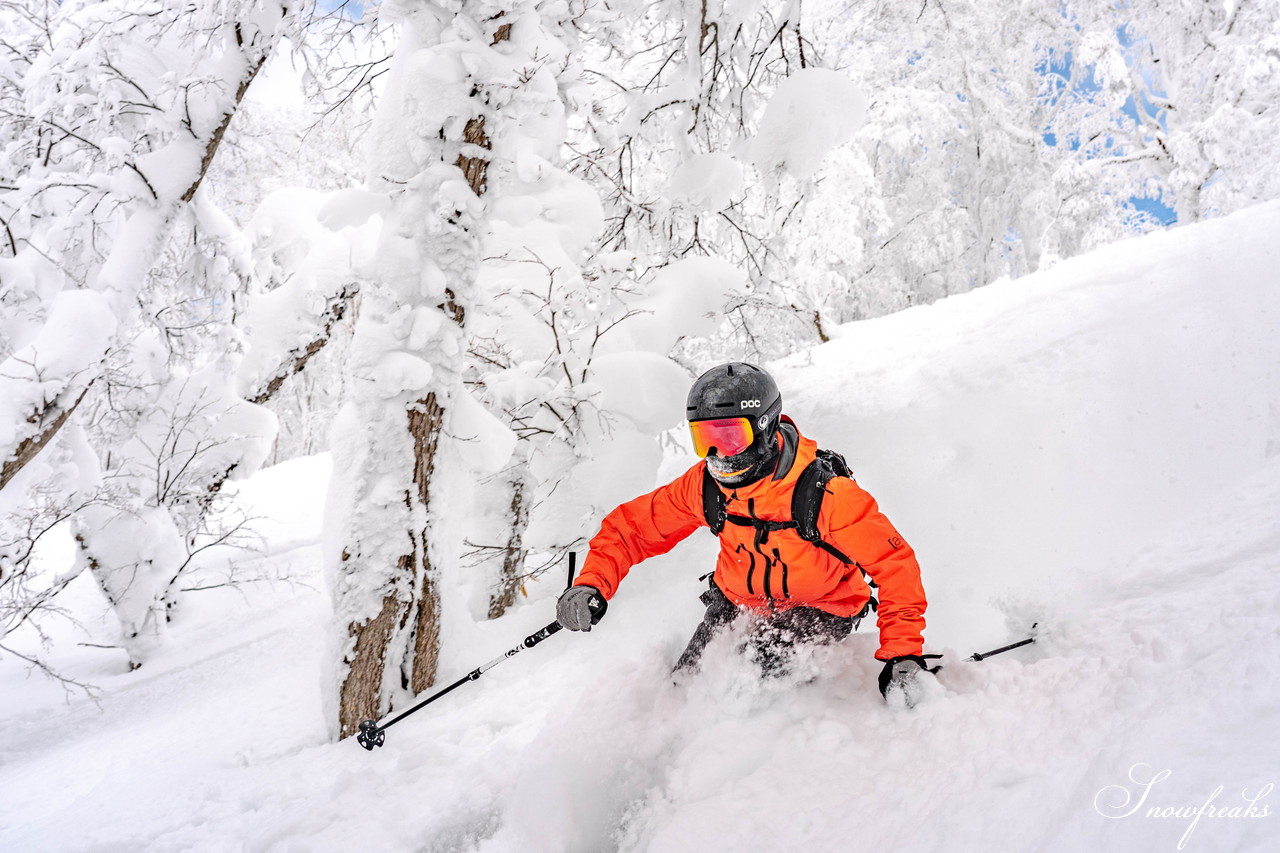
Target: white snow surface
{"x": 1095, "y": 448}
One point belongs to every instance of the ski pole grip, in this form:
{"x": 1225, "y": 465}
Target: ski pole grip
{"x": 538, "y": 636}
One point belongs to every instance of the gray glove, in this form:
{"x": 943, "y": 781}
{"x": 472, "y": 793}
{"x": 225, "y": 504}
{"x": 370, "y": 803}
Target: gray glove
{"x": 580, "y": 607}
{"x": 900, "y": 673}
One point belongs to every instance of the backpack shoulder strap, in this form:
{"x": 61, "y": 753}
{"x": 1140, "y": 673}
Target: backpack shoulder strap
{"x": 713, "y": 503}
{"x": 806, "y": 500}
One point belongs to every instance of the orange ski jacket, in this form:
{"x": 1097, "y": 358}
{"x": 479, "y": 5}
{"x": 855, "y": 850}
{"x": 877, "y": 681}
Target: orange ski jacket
{"x": 784, "y": 570}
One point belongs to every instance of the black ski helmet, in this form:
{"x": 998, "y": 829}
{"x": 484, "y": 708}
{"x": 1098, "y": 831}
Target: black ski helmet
{"x": 734, "y": 390}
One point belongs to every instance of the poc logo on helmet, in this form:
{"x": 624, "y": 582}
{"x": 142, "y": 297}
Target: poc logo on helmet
{"x": 750, "y": 404}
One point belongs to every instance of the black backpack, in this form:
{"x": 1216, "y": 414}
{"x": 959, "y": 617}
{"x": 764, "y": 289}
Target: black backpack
{"x": 806, "y": 504}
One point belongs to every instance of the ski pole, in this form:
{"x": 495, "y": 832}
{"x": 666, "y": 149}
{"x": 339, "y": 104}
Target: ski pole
{"x": 984, "y": 655}
{"x": 371, "y": 734}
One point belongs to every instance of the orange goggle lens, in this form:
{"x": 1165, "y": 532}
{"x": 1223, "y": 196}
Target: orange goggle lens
{"x": 729, "y": 436}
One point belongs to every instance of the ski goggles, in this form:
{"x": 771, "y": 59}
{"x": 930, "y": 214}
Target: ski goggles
{"x": 729, "y": 436}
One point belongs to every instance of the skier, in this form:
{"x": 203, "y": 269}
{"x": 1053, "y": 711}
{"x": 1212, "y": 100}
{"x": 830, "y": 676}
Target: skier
{"x": 796, "y": 536}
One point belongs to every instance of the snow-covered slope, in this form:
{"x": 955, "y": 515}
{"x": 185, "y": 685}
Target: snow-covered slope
{"x": 1095, "y": 448}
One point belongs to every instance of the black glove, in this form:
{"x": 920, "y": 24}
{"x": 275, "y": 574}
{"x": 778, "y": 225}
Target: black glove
{"x": 580, "y": 607}
{"x": 902, "y": 671}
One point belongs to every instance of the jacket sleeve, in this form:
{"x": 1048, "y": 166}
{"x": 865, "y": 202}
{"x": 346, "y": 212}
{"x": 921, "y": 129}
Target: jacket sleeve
{"x": 645, "y": 527}
{"x": 858, "y": 528}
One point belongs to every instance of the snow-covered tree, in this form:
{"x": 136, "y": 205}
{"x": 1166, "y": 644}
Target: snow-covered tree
{"x": 964, "y": 171}
{"x": 121, "y": 283}
{"x": 688, "y": 159}
{"x": 401, "y": 438}
{"x": 493, "y": 361}
{"x": 1191, "y": 94}
{"x": 294, "y": 144}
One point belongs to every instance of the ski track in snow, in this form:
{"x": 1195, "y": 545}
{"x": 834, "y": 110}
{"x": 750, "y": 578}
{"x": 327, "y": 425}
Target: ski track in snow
{"x": 1095, "y": 448}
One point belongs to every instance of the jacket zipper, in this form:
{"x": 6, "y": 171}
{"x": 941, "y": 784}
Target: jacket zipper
{"x": 751, "y": 570}
{"x": 758, "y": 540}
{"x": 786, "y": 593}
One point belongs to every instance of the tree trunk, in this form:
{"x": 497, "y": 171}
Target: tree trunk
{"x": 361, "y": 695}
{"x": 300, "y": 355}
{"x": 513, "y": 554}
{"x": 31, "y": 447}
{"x": 425, "y": 422}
